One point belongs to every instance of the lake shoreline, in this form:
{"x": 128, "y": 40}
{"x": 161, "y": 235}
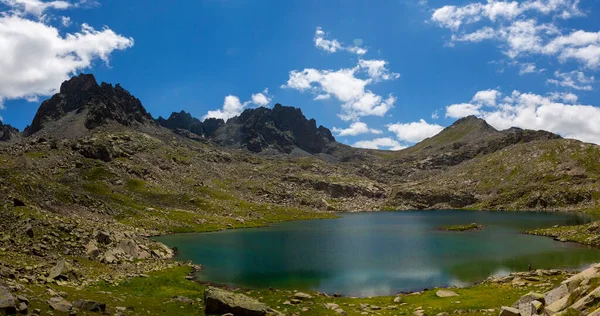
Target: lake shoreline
{"x": 209, "y": 280}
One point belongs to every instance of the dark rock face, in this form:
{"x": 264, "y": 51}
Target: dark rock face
{"x": 184, "y": 121}
{"x": 282, "y": 128}
{"x": 7, "y": 132}
{"x": 104, "y": 103}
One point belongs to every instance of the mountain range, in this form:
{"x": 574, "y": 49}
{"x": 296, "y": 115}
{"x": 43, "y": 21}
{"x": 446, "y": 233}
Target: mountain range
{"x": 278, "y": 157}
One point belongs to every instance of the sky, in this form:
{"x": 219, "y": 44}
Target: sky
{"x": 380, "y": 74}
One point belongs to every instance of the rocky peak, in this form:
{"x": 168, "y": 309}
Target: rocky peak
{"x": 81, "y": 95}
{"x": 184, "y": 120}
{"x": 7, "y": 132}
{"x": 282, "y": 128}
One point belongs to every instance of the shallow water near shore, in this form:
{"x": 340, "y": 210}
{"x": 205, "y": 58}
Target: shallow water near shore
{"x": 381, "y": 253}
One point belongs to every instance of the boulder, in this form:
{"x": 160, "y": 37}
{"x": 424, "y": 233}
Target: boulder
{"x": 91, "y": 306}
{"x": 60, "y": 271}
{"x": 556, "y": 294}
{"x": 7, "y": 301}
{"x": 60, "y": 304}
{"x": 588, "y": 300}
{"x": 219, "y": 302}
{"x": 103, "y": 238}
{"x": 557, "y": 306}
{"x": 525, "y": 301}
{"x": 509, "y": 311}
{"x": 445, "y": 293}
{"x": 29, "y": 231}
{"x": 589, "y": 273}
{"x": 302, "y": 296}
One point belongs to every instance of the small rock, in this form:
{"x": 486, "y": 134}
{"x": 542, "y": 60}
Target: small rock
{"x": 445, "y": 293}
{"x": 340, "y": 311}
{"x": 90, "y": 306}
{"x": 7, "y": 301}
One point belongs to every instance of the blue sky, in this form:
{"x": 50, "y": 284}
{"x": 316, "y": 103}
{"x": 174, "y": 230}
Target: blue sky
{"x": 529, "y": 63}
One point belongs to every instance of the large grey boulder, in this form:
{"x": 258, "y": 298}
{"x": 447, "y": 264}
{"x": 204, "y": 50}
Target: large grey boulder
{"x": 509, "y": 311}
{"x": 556, "y": 294}
{"x": 60, "y": 304}
{"x": 60, "y": 271}
{"x": 7, "y": 301}
{"x": 219, "y": 302}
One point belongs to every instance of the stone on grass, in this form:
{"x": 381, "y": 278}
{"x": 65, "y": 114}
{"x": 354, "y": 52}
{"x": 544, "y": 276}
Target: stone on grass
{"x": 219, "y": 302}
{"x": 60, "y": 304}
{"x": 445, "y": 293}
{"x": 90, "y": 306}
{"x": 302, "y": 296}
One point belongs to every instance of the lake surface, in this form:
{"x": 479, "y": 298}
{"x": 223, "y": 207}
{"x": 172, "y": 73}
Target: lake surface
{"x": 367, "y": 254}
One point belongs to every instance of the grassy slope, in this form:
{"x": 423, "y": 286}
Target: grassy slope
{"x": 154, "y": 295}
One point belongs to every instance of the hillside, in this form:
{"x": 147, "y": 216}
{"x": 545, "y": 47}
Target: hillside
{"x": 94, "y": 175}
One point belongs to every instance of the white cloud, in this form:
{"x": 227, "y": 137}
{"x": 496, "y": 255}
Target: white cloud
{"x": 575, "y": 79}
{"x": 377, "y": 70}
{"x": 261, "y": 98}
{"x": 486, "y": 97}
{"x": 36, "y": 58}
{"x": 231, "y": 107}
{"x": 65, "y": 21}
{"x": 527, "y": 68}
{"x": 435, "y": 115}
{"x": 332, "y": 46}
{"x": 453, "y": 17}
{"x": 556, "y": 112}
{"x": 35, "y": 7}
{"x": 414, "y": 132}
{"x": 462, "y": 110}
{"x": 356, "y": 128}
{"x": 380, "y": 143}
{"x": 515, "y": 25}
{"x": 346, "y": 86}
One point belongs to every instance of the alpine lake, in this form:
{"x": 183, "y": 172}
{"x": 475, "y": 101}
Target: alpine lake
{"x": 381, "y": 253}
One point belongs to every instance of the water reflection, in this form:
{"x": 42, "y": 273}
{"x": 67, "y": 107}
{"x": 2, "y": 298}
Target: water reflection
{"x": 381, "y": 253}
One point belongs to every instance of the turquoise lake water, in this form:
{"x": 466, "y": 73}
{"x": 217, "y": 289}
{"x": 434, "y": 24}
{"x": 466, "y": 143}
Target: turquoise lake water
{"x": 383, "y": 253}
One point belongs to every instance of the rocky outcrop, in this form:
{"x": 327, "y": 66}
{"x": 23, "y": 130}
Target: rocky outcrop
{"x": 184, "y": 121}
{"x": 7, "y": 132}
{"x": 431, "y": 198}
{"x": 220, "y": 302}
{"x": 99, "y": 103}
{"x": 574, "y": 296}
{"x": 282, "y": 128}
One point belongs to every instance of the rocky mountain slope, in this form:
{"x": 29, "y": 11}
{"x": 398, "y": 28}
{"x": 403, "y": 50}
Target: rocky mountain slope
{"x": 94, "y": 175}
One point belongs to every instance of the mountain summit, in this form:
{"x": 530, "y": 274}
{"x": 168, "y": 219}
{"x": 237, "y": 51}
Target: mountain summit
{"x": 93, "y": 104}
{"x": 283, "y": 128}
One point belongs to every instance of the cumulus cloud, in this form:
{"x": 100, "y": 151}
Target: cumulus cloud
{"x": 575, "y": 80}
{"x": 332, "y": 46}
{"x": 261, "y": 98}
{"x": 36, "y": 58}
{"x": 380, "y": 143}
{"x": 528, "y": 68}
{"x": 347, "y": 85}
{"x": 414, "y": 132}
{"x": 515, "y": 25}
{"x": 556, "y": 112}
{"x": 232, "y": 106}
{"x": 356, "y": 128}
